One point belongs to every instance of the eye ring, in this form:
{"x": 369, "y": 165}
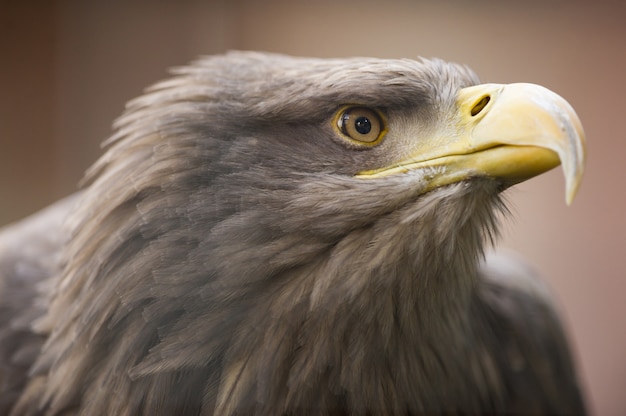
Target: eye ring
{"x": 360, "y": 125}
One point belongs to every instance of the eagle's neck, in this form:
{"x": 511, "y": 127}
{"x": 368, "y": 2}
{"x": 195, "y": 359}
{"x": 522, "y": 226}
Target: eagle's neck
{"x": 287, "y": 318}
{"x": 388, "y": 304}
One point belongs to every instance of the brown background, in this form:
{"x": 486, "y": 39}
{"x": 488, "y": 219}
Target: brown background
{"x": 67, "y": 68}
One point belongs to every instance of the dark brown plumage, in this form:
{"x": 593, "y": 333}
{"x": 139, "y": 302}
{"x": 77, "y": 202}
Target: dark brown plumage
{"x": 237, "y": 250}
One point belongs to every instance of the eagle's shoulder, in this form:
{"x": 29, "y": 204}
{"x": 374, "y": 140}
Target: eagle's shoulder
{"x": 30, "y": 253}
{"x": 29, "y": 257}
{"x": 519, "y": 323}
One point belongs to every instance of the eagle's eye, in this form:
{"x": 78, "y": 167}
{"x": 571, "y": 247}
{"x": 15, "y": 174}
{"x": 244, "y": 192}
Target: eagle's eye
{"x": 361, "y": 124}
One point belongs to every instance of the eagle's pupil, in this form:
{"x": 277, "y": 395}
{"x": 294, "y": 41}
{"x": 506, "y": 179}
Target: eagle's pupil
{"x": 363, "y": 125}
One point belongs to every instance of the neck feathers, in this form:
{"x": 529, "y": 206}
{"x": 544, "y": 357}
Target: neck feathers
{"x": 362, "y": 313}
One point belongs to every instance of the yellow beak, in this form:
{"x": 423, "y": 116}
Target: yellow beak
{"x": 509, "y": 132}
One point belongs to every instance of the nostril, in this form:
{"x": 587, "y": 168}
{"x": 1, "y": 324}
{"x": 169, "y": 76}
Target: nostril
{"x": 480, "y": 104}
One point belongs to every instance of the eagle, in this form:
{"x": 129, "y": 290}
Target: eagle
{"x": 276, "y": 235}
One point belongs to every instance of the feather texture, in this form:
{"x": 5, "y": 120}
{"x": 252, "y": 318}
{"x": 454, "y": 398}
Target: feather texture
{"x": 222, "y": 259}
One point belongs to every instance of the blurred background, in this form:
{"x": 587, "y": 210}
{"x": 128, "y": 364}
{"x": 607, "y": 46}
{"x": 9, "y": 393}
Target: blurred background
{"x": 68, "y": 67}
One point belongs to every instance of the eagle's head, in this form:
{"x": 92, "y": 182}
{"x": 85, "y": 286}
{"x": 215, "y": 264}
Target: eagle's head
{"x": 265, "y": 229}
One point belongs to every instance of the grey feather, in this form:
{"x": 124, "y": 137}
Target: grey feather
{"x": 222, "y": 259}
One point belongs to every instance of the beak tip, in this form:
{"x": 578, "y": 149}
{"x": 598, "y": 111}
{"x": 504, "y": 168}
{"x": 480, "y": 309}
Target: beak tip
{"x": 571, "y": 189}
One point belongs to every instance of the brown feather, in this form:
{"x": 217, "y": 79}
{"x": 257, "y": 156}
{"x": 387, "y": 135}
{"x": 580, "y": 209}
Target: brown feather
{"x": 223, "y": 260}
